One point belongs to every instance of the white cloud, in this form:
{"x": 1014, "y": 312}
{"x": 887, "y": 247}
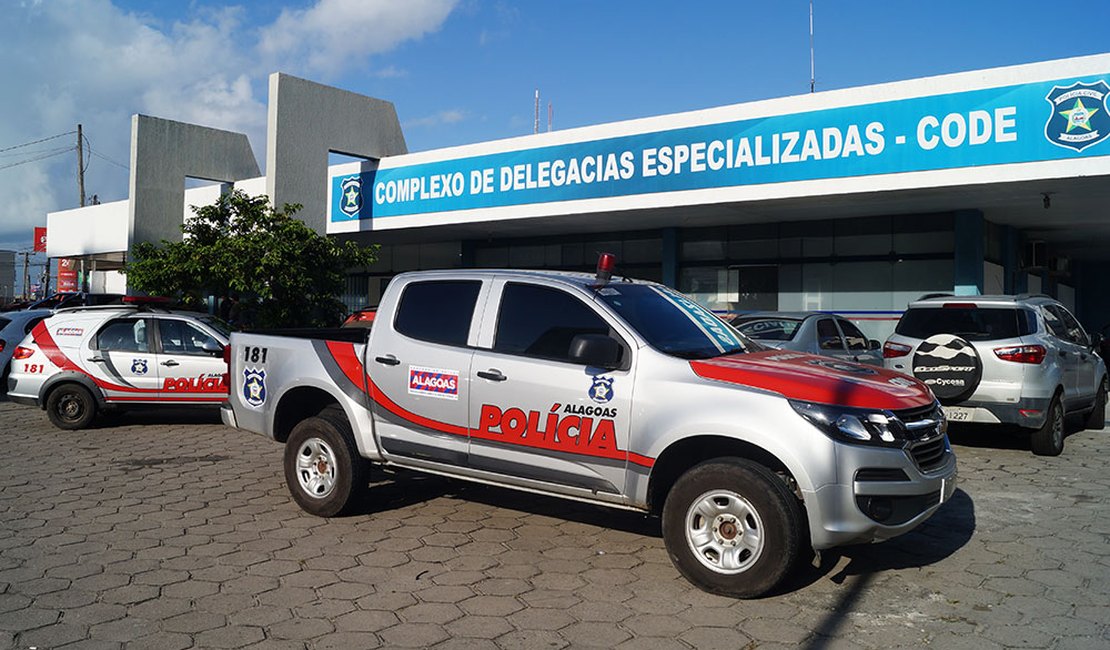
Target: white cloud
{"x": 333, "y": 34}
{"x": 450, "y": 116}
{"x": 88, "y": 61}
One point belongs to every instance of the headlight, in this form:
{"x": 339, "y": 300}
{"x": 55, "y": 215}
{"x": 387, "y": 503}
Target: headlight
{"x": 858, "y": 426}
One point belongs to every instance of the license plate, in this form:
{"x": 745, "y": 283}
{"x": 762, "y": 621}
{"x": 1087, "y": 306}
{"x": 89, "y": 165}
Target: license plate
{"x": 958, "y": 414}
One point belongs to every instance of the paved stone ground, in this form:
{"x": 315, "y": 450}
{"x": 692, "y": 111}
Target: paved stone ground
{"x": 171, "y": 531}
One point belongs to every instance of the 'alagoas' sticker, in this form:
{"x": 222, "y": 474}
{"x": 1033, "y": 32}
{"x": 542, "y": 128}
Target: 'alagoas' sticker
{"x": 434, "y": 382}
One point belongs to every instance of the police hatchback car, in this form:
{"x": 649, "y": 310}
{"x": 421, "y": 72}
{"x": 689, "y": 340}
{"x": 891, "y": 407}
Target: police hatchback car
{"x": 84, "y": 360}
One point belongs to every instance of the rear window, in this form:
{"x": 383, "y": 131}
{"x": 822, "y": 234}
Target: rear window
{"x": 768, "y": 329}
{"x": 971, "y": 323}
{"x": 4, "y": 323}
{"x": 438, "y": 311}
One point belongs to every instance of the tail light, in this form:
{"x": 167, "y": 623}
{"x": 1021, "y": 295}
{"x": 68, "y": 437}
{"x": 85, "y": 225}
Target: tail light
{"x": 892, "y": 350}
{"x": 2, "y": 344}
{"x": 22, "y": 352}
{"x": 1033, "y": 354}
{"x": 227, "y": 360}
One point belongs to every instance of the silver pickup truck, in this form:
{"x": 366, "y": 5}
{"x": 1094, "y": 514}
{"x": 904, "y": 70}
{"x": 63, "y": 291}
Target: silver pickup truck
{"x": 625, "y": 394}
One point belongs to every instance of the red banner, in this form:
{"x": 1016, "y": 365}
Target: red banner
{"x": 40, "y": 240}
{"x": 67, "y": 275}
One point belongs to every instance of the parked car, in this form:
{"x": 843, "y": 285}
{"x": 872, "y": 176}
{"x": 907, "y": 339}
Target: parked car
{"x": 625, "y": 394}
{"x": 814, "y": 332}
{"x": 1018, "y": 360}
{"x": 361, "y": 318}
{"x": 87, "y": 359}
{"x": 14, "y": 326}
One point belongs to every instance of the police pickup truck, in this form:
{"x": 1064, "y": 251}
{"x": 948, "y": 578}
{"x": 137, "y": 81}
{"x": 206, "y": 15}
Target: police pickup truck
{"x": 619, "y": 393}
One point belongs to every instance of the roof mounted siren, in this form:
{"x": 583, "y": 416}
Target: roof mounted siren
{"x": 606, "y": 263}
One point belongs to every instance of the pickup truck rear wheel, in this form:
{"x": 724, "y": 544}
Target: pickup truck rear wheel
{"x": 323, "y": 468}
{"x": 733, "y": 528}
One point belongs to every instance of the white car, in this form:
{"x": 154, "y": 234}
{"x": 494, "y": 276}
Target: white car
{"x": 14, "y": 325}
{"x": 86, "y": 359}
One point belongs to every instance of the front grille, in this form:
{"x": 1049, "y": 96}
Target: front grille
{"x": 930, "y": 454}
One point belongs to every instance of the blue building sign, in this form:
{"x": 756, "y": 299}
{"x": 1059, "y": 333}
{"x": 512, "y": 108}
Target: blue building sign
{"x": 1053, "y": 120}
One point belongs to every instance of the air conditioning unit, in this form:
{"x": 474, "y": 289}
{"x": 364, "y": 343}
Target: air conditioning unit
{"x": 1034, "y": 255}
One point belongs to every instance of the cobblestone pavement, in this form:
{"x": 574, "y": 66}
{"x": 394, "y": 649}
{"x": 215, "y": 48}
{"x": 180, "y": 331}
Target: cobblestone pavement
{"x": 171, "y": 531}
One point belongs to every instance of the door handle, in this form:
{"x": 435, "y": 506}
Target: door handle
{"x": 171, "y": 363}
{"x": 388, "y": 360}
{"x": 492, "y": 374}
{"x": 96, "y": 359}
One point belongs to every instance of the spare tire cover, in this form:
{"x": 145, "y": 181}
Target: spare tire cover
{"x": 948, "y": 365}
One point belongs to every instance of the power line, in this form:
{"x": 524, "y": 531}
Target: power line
{"x": 27, "y": 144}
{"x": 34, "y": 152}
{"x": 109, "y": 160}
{"x": 37, "y": 158}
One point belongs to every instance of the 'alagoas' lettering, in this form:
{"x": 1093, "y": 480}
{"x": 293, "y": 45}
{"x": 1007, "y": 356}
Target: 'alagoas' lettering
{"x": 575, "y": 429}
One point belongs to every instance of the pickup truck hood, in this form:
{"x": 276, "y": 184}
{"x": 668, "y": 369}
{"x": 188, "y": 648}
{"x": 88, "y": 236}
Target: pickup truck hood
{"x": 812, "y": 378}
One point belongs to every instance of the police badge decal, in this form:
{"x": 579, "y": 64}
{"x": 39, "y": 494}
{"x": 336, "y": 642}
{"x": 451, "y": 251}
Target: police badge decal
{"x": 601, "y": 391}
{"x": 138, "y": 366}
{"x": 350, "y": 199}
{"x": 1079, "y": 117}
{"x": 254, "y": 386}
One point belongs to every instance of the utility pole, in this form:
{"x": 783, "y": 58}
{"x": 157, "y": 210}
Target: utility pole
{"x": 81, "y": 165}
{"x": 26, "y": 276}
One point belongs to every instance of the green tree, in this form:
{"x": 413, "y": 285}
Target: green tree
{"x": 287, "y": 274}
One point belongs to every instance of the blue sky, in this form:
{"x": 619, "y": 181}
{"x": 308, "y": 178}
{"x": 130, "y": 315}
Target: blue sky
{"x": 463, "y": 71}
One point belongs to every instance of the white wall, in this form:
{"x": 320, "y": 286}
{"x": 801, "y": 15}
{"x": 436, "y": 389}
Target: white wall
{"x": 91, "y": 230}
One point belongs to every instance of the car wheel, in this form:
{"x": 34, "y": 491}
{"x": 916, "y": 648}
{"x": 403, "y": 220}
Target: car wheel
{"x": 1097, "y": 417}
{"x": 70, "y": 407}
{"x": 733, "y": 528}
{"x": 1049, "y": 439}
{"x": 323, "y": 468}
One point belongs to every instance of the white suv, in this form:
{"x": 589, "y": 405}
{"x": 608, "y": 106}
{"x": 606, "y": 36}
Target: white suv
{"x": 86, "y": 359}
{"x": 1022, "y": 360}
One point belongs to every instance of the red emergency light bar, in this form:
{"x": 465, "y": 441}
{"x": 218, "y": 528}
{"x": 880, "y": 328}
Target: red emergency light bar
{"x": 606, "y": 263}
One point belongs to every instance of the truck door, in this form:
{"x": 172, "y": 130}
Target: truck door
{"x": 190, "y": 362}
{"x": 419, "y": 367}
{"x": 537, "y": 416}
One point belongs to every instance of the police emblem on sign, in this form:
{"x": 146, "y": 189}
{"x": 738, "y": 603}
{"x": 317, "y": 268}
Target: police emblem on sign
{"x": 350, "y": 199}
{"x": 138, "y": 366}
{"x": 254, "y": 386}
{"x": 601, "y": 391}
{"x": 1079, "y": 117}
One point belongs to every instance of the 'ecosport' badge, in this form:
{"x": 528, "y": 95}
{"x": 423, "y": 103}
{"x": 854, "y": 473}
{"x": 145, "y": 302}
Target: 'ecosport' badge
{"x": 1079, "y": 116}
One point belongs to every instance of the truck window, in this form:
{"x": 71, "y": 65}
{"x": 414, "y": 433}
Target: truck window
{"x": 438, "y": 311}
{"x": 127, "y": 335}
{"x": 536, "y": 321}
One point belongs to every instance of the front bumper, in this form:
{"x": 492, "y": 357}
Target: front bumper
{"x": 881, "y": 493}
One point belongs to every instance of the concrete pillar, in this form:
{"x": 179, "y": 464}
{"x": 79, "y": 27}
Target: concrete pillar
{"x": 969, "y": 236}
{"x": 1012, "y": 244}
{"x": 670, "y": 257}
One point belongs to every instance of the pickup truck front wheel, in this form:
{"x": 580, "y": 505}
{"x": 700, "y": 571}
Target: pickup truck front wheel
{"x": 732, "y": 527}
{"x": 323, "y": 468}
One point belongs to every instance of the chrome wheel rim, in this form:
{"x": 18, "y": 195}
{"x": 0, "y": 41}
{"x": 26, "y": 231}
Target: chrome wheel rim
{"x": 724, "y": 532}
{"x": 316, "y": 468}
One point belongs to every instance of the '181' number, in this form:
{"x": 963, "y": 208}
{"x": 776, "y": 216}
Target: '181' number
{"x": 254, "y": 355}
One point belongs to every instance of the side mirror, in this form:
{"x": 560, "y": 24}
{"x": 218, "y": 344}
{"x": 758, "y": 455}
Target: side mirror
{"x": 1096, "y": 341}
{"x": 872, "y": 344}
{"x": 213, "y": 348}
{"x": 595, "y": 350}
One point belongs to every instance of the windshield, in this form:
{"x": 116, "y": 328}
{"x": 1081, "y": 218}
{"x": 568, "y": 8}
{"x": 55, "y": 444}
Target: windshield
{"x": 217, "y": 324}
{"x": 673, "y": 323}
{"x": 972, "y": 323}
{"x": 768, "y": 329}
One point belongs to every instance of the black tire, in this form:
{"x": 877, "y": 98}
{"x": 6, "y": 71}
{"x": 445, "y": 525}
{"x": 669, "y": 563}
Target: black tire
{"x": 765, "y": 504}
{"x": 323, "y": 468}
{"x": 1096, "y": 419}
{"x": 70, "y": 407}
{"x": 1049, "y": 439}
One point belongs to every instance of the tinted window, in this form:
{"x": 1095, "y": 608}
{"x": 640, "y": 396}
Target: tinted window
{"x": 828, "y": 337}
{"x": 4, "y": 323}
{"x": 438, "y": 311}
{"x": 768, "y": 329}
{"x": 1063, "y": 325}
{"x": 541, "y": 322}
{"x": 852, "y": 336}
{"x": 179, "y": 337}
{"x": 673, "y": 323}
{"x": 128, "y": 335}
{"x": 971, "y": 323}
